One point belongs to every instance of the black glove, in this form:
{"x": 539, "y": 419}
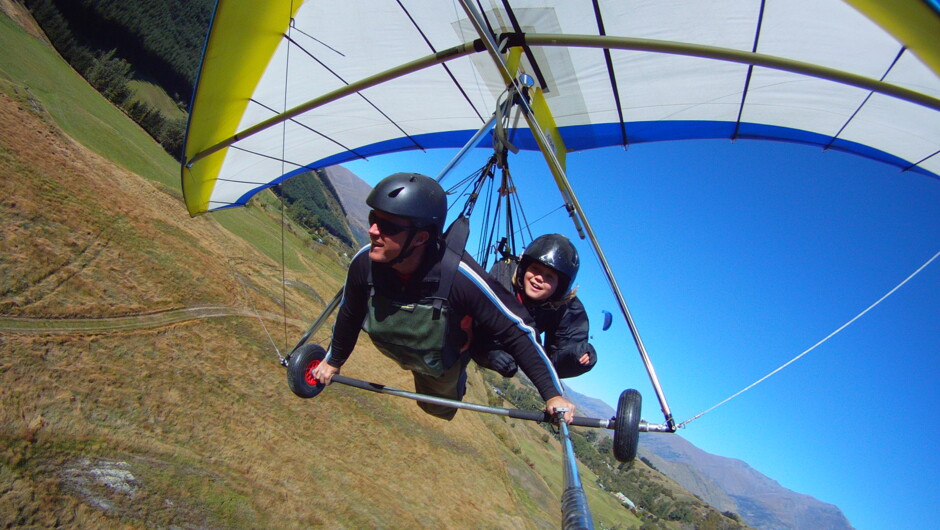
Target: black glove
{"x": 502, "y": 362}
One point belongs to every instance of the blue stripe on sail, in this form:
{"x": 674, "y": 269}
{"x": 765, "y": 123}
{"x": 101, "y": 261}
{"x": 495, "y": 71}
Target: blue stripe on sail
{"x": 583, "y": 137}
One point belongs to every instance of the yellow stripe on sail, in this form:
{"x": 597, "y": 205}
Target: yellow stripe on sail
{"x": 913, "y": 22}
{"x": 245, "y": 35}
{"x": 543, "y": 115}
{"x": 515, "y": 57}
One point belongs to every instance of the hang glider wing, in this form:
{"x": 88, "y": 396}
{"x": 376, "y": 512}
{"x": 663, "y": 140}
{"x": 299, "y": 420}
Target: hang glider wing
{"x": 287, "y": 86}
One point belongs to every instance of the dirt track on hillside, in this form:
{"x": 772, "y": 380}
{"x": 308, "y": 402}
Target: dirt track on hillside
{"x": 143, "y": 321}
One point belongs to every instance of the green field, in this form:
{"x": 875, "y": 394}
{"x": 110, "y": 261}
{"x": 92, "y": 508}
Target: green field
{"x": 154, "y": 96}
{"x": 33, "y": 66}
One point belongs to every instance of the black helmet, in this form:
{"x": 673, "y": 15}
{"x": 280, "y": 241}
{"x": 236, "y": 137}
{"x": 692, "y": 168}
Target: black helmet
{"x": 413, "y": 196}
{"x": 557, "y": 252}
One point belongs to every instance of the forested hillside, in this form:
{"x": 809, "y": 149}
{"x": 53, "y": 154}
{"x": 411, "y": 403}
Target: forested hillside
{"x": 352, "y": 192}
{"x": 657, "y": 498}
{"x": 311, "y": 201}
{"x": 116, "y": 45}
{"x": 112, "y": 44}
{"x": 190, "y": 424}
{"x": 161, "y": 39}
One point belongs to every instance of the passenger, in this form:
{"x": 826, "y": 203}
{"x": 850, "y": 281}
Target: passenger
{"x": 543, "y": 282}
{"x": 390, "y": 292}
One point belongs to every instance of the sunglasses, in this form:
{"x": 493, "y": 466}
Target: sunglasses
{"x": 386, "y": 227}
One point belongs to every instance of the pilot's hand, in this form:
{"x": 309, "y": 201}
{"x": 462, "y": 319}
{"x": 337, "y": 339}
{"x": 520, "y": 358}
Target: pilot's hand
{"x": 559, "y": 402}
{"x": 324, "y": 373}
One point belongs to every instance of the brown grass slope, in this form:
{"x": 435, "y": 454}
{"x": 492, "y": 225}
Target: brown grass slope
{"x": 198, "y": 413}
{"x": 191, "y": 424}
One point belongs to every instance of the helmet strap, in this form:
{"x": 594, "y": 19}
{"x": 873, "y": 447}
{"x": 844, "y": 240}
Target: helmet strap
{"x": 406, "y": 249}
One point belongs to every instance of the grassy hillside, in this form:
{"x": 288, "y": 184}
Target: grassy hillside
{"x": 39, "y": 72}
{"x": 313, "y": 203}
{"x": 169, "y": 50}
{"x": 154, "y": 96}
{"x": 191, "y": 424}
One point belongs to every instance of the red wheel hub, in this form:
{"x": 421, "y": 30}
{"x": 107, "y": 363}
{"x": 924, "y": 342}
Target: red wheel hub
{"x": 308, "y": 372}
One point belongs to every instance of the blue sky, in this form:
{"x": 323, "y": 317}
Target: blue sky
{"x": 733, "y": 259}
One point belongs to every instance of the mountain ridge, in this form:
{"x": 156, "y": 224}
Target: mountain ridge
{"x": 760, "y": 500}
{"x": 141, "y": 402}
{"x": 312, "y": 201}
{"x": 351, "y": 191}
{"x": 728, "y": 484}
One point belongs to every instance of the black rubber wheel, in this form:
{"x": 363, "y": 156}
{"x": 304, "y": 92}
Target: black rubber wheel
{"x": 300, "y": 370}
{"x": 627, "y": 425}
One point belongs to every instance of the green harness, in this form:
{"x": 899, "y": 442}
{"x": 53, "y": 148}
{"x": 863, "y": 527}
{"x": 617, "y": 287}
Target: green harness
{"x": 415, "y": 334}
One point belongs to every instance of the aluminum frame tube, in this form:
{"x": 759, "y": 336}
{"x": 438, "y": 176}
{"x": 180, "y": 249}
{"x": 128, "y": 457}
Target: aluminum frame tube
{"x": 440, "y": 57}
{"x": 466, "y": 148}
{"x": 735, "y": 56}
{"x": 655, "y": 427}
{"x": 568, "y": 193}
{"x": 575, "y": 511}
{"x": 327, "y": 311}
{"x": 530, "y": 415}
{"x": 588, "y": 41}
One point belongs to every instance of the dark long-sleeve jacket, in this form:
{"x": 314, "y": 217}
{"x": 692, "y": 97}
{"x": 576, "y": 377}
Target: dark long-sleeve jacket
{"x": 473, "y": 293}
{"x": 565, "y": 326}
{"x": 566, "y": 331}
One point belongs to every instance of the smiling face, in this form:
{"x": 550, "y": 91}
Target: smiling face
{"x": 539, "y": 282}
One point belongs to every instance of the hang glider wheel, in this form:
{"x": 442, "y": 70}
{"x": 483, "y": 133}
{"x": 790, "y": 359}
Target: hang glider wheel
{"x": 627, "y": 425}
{"x": 300, "y": 370}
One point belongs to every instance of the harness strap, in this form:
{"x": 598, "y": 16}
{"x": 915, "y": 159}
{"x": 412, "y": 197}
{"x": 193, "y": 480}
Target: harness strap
{"x": 455, "y": 239}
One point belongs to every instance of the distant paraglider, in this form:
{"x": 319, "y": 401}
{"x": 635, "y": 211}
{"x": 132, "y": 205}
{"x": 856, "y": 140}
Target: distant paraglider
{"x": 608, "y": 320}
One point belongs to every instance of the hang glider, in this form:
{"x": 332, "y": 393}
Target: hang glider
{"x": 287, "y": 86}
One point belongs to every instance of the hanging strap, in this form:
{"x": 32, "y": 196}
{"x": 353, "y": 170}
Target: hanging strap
{"x": 501, "y": 142}
{"x": 455, "y": 241}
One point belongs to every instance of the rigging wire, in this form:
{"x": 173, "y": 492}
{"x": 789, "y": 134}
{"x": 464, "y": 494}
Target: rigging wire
{"x": 517, "y": 204}
{"x": 528, "y": 225}
{"x": 481, "y": 183}
{"x": 283, "y": 281}
{"x": 487, "y": 216}
{"x": 814, "y": 346}
{"x": 261, "y": 320}
{"x": 283, "y": 206}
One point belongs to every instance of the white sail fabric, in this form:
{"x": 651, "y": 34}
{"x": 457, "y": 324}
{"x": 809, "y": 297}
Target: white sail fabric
{"x": 261, "y": 62}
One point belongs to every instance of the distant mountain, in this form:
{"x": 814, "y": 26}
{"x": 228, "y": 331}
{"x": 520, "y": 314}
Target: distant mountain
{"x": 727, "y": 484}
{"x": 657, "y": 449}
{"x": 313, "y": 202}
{"x": 590, "y": 407}
{"x": 352, "y": 192}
